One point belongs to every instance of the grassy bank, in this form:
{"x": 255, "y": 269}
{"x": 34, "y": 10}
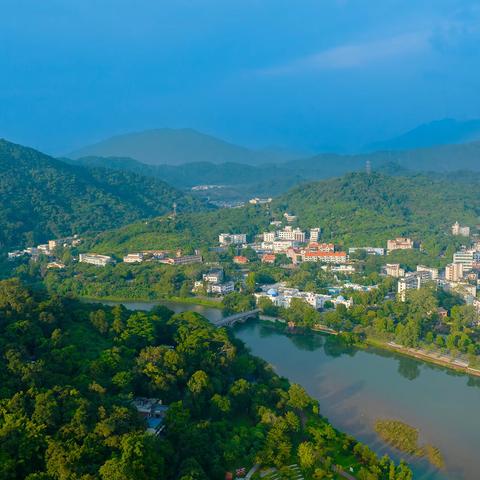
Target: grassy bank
{"x": 204, "y": 302}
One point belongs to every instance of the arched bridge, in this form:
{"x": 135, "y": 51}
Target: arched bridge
{"x": 237, "y": 317}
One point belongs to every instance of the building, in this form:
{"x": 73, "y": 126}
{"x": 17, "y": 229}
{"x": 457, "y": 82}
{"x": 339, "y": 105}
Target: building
{"x": 240, "y": 260}
{"x": 260, "y": 201}
{"x": 183, "y": 260}
{"x": 345, "y": 269}
{"x": 282, "y": 245}
{"x": 394, "y": 270}
{"x": 16, "y": 254}
{"x": 133, "y": 258}
{"x": 314, "y": 234}
{"x": 454, "y": 272}
{"x": 232, "y": 238}
{"x": 412, "y": 281}
{"x": 56, "y": 265}
{"x": 399, "y": 243}
{"x": 95, "y": 259}
{"x": 294, "y": 234}
{"x": 324, "y": 257}
{"x": 289, "y": 218}
{"x": 153, "y": 411}
{"x": 221, "y": 288}
{"x": 433, "y": 272}
{"x": 269, "y": 237}
{"x": 268, "y": 258}
{"x": 465, "y": 257}
{"x": 370, "y": 250}
{"x": 213, "y": 276}
{"x": 460, "y": 231}
{"x": 64, "y": 242}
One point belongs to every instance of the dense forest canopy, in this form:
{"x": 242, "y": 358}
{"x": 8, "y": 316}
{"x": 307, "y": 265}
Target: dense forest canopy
{"x": 43, "y": 198}
{"x": 69, "y": 372}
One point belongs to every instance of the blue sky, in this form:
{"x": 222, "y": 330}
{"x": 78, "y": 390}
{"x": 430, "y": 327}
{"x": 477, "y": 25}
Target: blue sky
{"x": 308, "y": 75}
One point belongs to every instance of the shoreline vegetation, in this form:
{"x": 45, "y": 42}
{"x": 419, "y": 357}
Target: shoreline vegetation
{"x": 418, "y": 354}
{"x": 404, "y": 437}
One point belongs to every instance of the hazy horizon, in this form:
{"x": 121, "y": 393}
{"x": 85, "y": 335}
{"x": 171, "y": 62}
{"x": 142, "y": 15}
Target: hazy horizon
{"x": 329, "y": 76}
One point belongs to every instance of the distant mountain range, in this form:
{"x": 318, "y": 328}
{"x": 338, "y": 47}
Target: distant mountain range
{"x": 439, "y": 132}
{"x": 42, "y": 197}
{"x": 178, "y": 146}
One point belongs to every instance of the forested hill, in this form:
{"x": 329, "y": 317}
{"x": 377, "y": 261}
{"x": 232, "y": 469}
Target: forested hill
{"x": 359, "y": 208}
{"x": 43, "y": 198}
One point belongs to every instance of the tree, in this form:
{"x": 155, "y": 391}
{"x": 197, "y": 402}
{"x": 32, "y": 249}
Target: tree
{"x": 297, "y": 397}
{"x": 306, "y": 455}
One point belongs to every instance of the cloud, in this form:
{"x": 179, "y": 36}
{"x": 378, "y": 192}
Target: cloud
{"x": 353, "y": 55}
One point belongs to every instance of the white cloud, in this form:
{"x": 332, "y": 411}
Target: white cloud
{"x": 355, "y": 55}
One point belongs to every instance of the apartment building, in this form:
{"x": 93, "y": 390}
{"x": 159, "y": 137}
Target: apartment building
{"x": 412, "y": 281}
{"x": 394, "y": 270}
{"x": 232, "y": 238}
{"x": 454, "y": 272}
{"x": 465, "y": 257}
{"x": 314, "y": 234}
{"x": 433, "y": 272}
{"x": 213, "y": 276}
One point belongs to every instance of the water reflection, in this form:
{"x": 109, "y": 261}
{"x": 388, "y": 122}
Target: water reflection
{"x": 408, "y": 368}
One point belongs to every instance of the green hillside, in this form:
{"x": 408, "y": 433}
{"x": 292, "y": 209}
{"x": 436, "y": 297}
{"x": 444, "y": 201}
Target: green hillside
{"x": 366, "y": 209}
{"x": 43, "y": 198}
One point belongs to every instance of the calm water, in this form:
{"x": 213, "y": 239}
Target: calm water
{"x": 356, "y": 387}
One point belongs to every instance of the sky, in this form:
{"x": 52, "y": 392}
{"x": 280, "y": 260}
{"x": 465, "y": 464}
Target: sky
{"x": 306, "y": 75}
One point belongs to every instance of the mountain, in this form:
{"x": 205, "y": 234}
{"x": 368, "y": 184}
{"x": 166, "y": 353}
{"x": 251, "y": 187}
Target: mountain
{"x": 443, "y": 158}
{"x": 439, "y": 132}
{"x": 42, "y": 197}
{"x": 177, "y": 146}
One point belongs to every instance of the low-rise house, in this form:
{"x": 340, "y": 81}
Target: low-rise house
{"x": 95, "y": 259}
{"x": 153, "y": 411}
{"x": 134, "y": 258}
{"x": 56, "y": 265}
{"x": 399, "y": 243}
{"x": 182, "y": 260}
{"x": 240, "y": 260}
{"x": 268, "y": 258}
{"x": 16, "y": 254}
{"x": 289, "y": 218}
{"x": 213, "y": 276}
{"x": 369, "y": 250}
{"x": 458, "y": 230}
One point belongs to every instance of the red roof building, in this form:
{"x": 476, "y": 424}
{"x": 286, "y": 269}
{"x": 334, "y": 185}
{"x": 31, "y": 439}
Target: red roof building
{"x": 240, "y": 259}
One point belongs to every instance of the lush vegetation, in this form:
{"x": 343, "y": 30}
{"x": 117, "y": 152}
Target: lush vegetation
{"x": 405, "y": 438}
{"x": 360, "y": 209}
{"x": 69, "y": 371}
{"x": 45, "y": 198}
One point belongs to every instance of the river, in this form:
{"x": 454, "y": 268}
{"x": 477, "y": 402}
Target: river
{"x": 355, "y": 387}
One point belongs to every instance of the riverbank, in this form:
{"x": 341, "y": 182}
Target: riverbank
{"x": 419, "y": 354}
{"x": 436, "y": 359}
{"x": 204, "y": 302}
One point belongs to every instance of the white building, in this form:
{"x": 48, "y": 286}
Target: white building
{"x": 221, "y": 288}
{"x": 282, "y": 245}
{"x": 269, "y": 237}
{"x": 433, "y": 272}
{"x": 232, "y": 238}
{"x": 315, "y": 234}
{"x": 412, "y": 281}
{"x": 133, "y": 258}
{"x": 289, "y": 233}
{"x": 394, "y": 270}
{"x": 213, "y": 276}
{"x": 454, "y": 272}
{"x": 460, "y": 231}
{"x": 465, "y": 257}
{"x": 95, "y": 259}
